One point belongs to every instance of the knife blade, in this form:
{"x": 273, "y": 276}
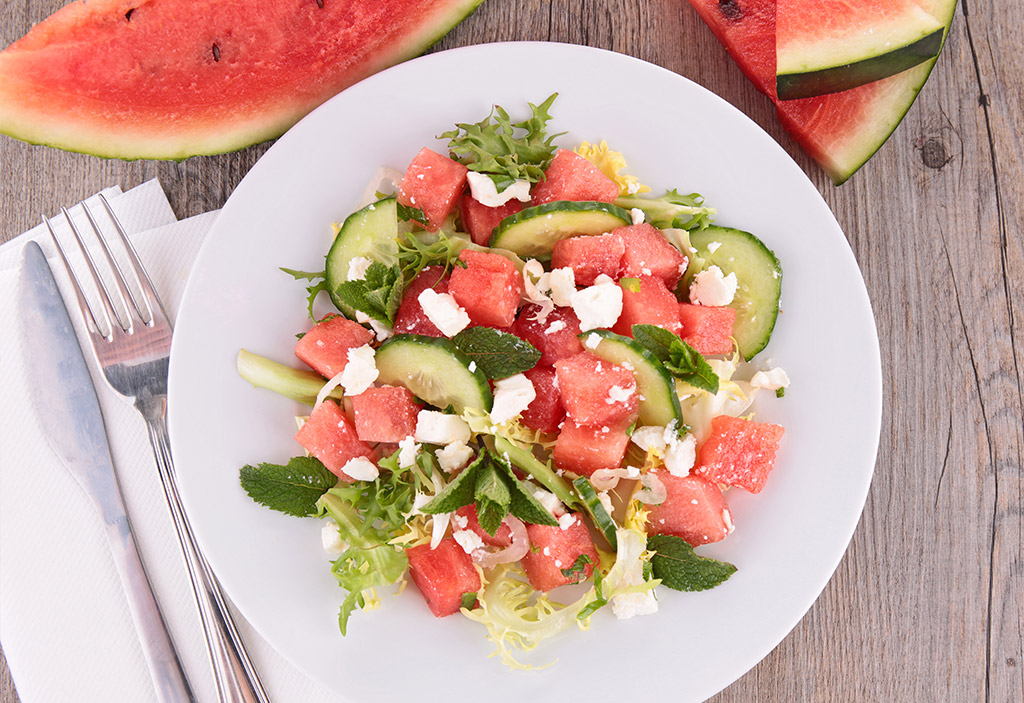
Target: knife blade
{"x": 66, "y": 405}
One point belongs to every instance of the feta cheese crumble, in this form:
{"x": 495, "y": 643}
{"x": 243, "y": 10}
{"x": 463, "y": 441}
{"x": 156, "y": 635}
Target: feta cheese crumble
{"x": 592, "y": 341}
{"x": 598, "y": 305}
{"x": 512, "y": 396}
{"x": 331, "y": 539}
{"x": 468, "y": 540}
{"x": 486, "y": 192}
{"x": 408, "y": 448}
{"x": 566, "y": 521}
{"x": 772, "y": 379}
{"x": 637, "y": 216}
{"x": 361, "y": 469}
{"x": 562, "y": 282}
{"x": 442, "y": 310}
{"x": 618, "y": 394}
{"x": 433, "y": 427}
{"x": 712, "y": 287}
{"x": 361, "y": 370}
{"x": 454, "y": 456}
{"x": 357, "y": 268}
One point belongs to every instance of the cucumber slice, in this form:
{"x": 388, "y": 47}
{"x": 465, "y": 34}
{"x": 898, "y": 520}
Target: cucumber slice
{"x": 371, "y": 232}
{"x": 760, "y": 282}
{"x": 660, "y": 404}
{"x": 533, "y": 232}
{"x": 602, "y": 520}
{"x": 434, "y": 370}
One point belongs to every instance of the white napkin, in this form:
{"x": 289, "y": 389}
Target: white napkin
{"x": 64, "y": 622}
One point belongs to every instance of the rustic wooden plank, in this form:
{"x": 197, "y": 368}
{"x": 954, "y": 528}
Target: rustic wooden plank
{"x": 926, "y": 605}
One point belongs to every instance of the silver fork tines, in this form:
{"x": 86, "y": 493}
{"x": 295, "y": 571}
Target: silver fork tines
{"x": 132, "y": 344}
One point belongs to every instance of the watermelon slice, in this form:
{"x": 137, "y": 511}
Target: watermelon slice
{"x": 168, "y": 79}
{"x": 827, "y": 46}
{"x": 840, "y": 131}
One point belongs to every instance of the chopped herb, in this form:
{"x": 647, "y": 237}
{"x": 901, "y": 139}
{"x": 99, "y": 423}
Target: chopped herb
{"x": 679, "y": 567}
{"x": 292, "y": 489}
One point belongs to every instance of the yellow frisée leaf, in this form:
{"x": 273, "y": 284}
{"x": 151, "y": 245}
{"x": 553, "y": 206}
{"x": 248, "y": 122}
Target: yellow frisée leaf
{"x": 611, "y": 163}
{"x": 518, "y": 618}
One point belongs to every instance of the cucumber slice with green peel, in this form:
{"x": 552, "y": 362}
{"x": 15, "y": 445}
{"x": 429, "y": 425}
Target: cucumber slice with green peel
{"x": 534, "y": 231}
{"x": 434, "y": 370}
{"x": 602, "y": 520}
{"x": 759, "y": 275}
{"x": 371, "y": 232}
{"x": 660, "y": 404}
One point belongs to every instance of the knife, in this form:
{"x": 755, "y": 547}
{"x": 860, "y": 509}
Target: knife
{"x": 65, "y": 403}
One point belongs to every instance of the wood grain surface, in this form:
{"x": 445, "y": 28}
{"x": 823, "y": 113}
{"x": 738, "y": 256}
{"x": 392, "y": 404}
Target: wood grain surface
{"x": 928, "y": 603}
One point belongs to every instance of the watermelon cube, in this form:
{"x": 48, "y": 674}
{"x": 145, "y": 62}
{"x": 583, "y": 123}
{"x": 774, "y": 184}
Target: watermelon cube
{"x": 545, "y": 413}
{"x": 556, "y": 337}
{"x": 332, "y": 438}
{"x": 597, "y": 392}
{"x": 583, "y": 449}
{"x": 572, "y": 177}
{"x": 325, "y": 347}
{"x": 433, "y": 183}
{"x": 739, "y": 452}
{"x": 648, "y": 253}
{"x": 480, "y": 220}
{"x": 589, "y": 256}
{"x": 651, "y": 304}
{"x": 443, "y": 575}
{"x": 707, "y": 329}
{"x": 465, "y": 518}
{"x": 385, "y": 414}
{"x": 554, "y": 548}
{"x": 410, "y": 317}
{"x": 489, "y": 288}
{"x": 694, "y": 510}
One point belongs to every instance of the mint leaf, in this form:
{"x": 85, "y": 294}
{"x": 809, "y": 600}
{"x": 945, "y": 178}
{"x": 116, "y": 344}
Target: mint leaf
{"x": 460, "y": 492}
{"x": 523, "y": 504}
{"x": 679, "y": 358}
{"x": 520, "y": 150}
{"x": 377, "y": 295}
{"x": 492, "y": 497}
{"x": 687, "y": 364}
{"x": 578, "y": 571}
{"x": 679, "y": 567}
{"x": 312, "y": 290}
{"x": 292, "y": 489}
{"x": 497, "y": 354}
{"x": 408, "y": 212}
{"x": 468, "y": 601}
{"x": 654, "y": 339}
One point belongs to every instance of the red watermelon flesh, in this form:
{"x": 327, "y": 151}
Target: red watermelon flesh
{"x": 648, "y": 253}
{"x": 443, "y": 575}
{"x": 572, "y": 177}
{"x": 331, "y": 437}
{"x": 325, "y": 347}
{"x": 694, "y": 510}
{"x": 553, "y": 549}
{"x": 739, "y": 452}
{"x": 597, "y": 392}
{"x": 649, "y": 303}
{"x": 707, "y": 329}
{"x": 480, "y": 220}
{"x": 556, "y": 337}
{"x": 433, "y": 183}
{"x": 545, "y": 413}
{"x": 583, "y": 449}
{"x": 589, "y": 256}
{"x": 467, "y": 513}
{"x": 168, "y": 79}
{"x": 489, "y": 287}
{"x": 410, "y": 317}
{"x": 385, "y": 414}
{"x": 840, "y": 131}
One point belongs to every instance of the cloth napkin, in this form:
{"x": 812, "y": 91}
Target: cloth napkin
{"x": 64, "y": 621}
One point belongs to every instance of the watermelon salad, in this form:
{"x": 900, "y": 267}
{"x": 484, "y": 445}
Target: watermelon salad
{"x": 535, "y": 374}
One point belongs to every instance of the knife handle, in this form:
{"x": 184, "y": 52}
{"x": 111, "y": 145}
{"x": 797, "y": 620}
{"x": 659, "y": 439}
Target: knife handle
{"x": 157, "y": 649}
{"x": 235, "y": 675}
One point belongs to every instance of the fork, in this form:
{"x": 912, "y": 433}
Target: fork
{"x": 133, "y": 351}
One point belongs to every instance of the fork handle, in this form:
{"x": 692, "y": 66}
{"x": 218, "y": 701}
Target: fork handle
{"x": 235, "y": 675}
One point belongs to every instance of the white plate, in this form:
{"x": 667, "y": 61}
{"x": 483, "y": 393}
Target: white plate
{"x": 675, "y": 134}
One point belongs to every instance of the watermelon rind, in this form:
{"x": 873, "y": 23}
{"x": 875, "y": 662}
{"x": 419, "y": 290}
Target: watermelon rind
{"x": 91, "y": 78}
{"x": 895, "y": 96}
{"x": 823, "y": 80}
{"x": 822, "y": 49}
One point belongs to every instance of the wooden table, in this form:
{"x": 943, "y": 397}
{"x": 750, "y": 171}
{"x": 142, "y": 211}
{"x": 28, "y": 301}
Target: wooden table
{"x": 928, "y": 604}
